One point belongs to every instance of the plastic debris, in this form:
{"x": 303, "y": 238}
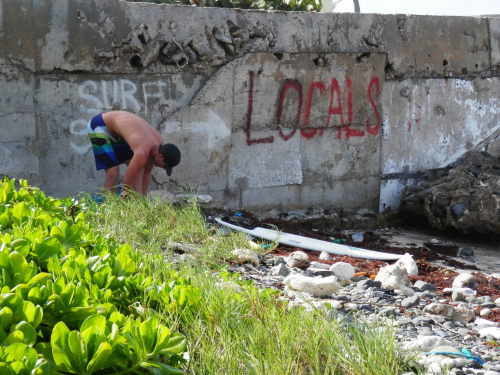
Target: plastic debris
{"x": 464, "y": 353}
{"x": 357, "y": 237}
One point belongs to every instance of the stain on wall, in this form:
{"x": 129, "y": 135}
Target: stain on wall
{"x": 271, "y": 109}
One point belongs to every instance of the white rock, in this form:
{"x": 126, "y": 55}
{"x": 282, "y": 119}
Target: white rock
{"x": 408, "y": 263}
{"x": 319, "y": 265}
{"x": 434, "y": 369}
{"x": 325, "y": 256}
{"x": 229, "y": 285}
{"x": 351, "y": 306}
{"x": 200, "y": 198}
{"x": 298, "y": 259}
{"x": 311, "y": 271}
{"x": 301, "y": 297}
{"x": 447, "y": 362}
{"x": 163, "y": 195}
{"x": 460, "y": 362}
{"x": 463, "y": 313}
{"x": 497, "y": 302}
{"x": 323, "y": 305}
{"x": 490, "y": 331}
{"x": 317, "y": 286}
{"x": 483, "y": 323}
{"x": 253, "y": 245}
{"x": 246, "y": 256}
{"x": 440, "y": 309}
{"x": 427, "y": 343}
{"x": 392, "y": 277}
{"x": 280, "y": 270}
{"x": 463, "y": 291}
{"x": 404, "y": 291}
{"x": 485, "y": 312}
{"x": 343, "y": 270}
{"x": 337, "y": 305}
{"x": 464, "y": 280}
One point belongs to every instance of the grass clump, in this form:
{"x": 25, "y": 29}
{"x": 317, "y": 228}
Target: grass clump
{"x": 233, "y": 327}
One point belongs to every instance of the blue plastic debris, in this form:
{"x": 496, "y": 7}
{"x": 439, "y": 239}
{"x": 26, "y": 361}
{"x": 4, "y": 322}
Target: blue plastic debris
{"x": 464, "y": 353}
{"x": 357, "y": 237}
{"x": 238, "y": 214}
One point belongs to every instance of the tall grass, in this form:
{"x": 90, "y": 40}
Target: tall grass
{"x": 237, "y": 328}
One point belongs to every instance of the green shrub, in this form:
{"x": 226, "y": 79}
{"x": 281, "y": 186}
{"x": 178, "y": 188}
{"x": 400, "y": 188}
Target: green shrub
{"x": 69, "y": 296}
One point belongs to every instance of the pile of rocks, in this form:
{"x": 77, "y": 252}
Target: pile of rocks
{"x": 465, "y": 195}
{"x": 451, "y": 330}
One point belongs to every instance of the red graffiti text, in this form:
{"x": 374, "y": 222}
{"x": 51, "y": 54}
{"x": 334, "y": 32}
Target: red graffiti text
{"x": 337, "y": 108}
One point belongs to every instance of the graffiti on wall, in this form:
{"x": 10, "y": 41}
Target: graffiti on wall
{"x": 304, "y": 97}
{"x": 98, "y": 96}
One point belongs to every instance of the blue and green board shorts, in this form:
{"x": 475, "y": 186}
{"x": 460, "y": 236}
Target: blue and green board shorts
{"x": 109, "y": 151}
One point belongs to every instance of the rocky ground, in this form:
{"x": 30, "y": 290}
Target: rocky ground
{"x": 464, "y": 195}
{"x": 440, "y": 299}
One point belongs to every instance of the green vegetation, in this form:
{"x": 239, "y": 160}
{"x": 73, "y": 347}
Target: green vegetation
{"x": 97, "y": 289}
{"x": 289, "y": 5}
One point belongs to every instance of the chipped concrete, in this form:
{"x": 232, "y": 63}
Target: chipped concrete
{"x": 271, "y": 109}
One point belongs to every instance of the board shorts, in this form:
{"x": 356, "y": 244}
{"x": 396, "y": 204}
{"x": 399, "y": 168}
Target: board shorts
{"x": 109, "y": 151}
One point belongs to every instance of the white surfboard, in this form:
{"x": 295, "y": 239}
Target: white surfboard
{"x": 311, "y": 243}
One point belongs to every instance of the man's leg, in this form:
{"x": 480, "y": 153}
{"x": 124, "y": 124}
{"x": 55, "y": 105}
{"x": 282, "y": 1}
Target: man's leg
{"x": 111, "y": 178}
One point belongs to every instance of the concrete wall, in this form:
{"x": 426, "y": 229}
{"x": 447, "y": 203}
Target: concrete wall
{"x": 270, "y": 109}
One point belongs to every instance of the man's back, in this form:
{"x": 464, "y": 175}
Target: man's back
{"x": 139, "y": 135}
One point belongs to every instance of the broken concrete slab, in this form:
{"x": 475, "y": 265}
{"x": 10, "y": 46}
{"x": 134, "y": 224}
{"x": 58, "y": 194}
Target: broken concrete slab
{"x": 464, "y": 196}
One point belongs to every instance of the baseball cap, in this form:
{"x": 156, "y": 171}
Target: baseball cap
{"x": 171, "y": 155}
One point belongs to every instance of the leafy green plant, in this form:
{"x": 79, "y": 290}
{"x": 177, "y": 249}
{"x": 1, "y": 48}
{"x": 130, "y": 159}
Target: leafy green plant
{"x": 89, "y": 289}
{"x": 62, "y": 287}
{"x": 102, "y": 345}
{"x": 15, "y": 269}
{"x": 21, "y": 359}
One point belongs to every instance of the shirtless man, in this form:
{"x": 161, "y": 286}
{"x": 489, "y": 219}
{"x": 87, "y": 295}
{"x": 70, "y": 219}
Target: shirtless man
{"x": 120, "y": 137}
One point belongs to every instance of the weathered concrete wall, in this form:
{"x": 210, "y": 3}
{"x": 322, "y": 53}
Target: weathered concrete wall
{"x": 270, "y": 109}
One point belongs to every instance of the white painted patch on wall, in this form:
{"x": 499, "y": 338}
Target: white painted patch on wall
{"x": 265, "y": 164}
{"x": 78, "y": 128}
{"x": 432, "y": 124}
{"x": 56, "y": 40}
{"x": 203, "y": 135}
{"x": 464, "y": 85}
{"x": 444, "y": 140}
{"x": 212, "y": 130}
{"x": 391, "y": 192}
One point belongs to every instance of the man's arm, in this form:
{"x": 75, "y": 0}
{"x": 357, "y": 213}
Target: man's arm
{"x": 146, "y": 178}
{"x": 135, "y": 172}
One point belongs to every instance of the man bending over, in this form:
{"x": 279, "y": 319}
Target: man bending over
{"x": 120, "y": 137}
